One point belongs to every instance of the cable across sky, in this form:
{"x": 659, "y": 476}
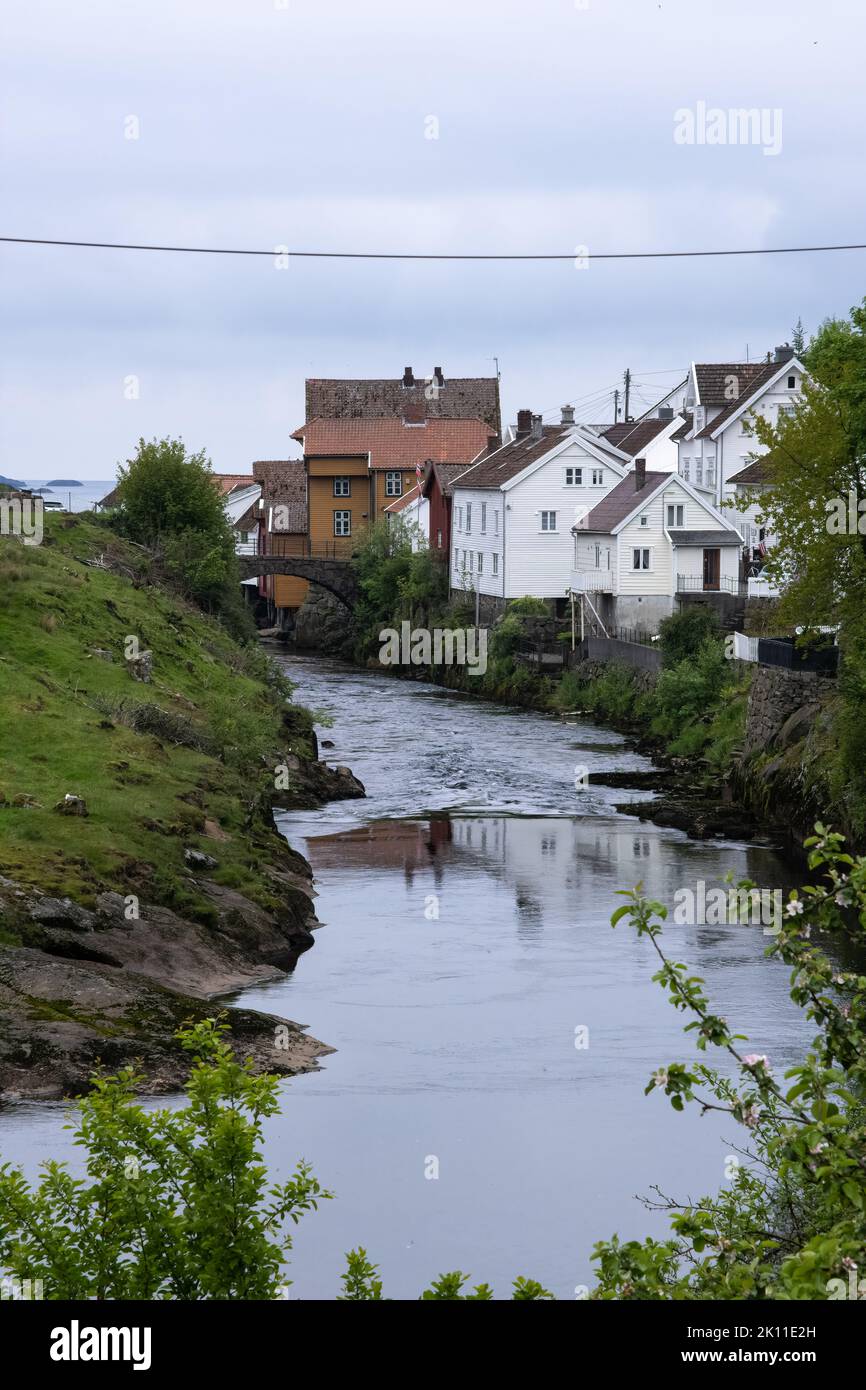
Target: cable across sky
{"x": 579, "y": 253}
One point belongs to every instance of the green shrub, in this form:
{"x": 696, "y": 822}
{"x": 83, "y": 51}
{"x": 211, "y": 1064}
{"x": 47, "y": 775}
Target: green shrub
{"x": 683, "y": 634}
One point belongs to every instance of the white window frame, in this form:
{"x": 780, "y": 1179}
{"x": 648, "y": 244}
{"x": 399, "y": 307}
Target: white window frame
{"x": 598, "y": 477}
{"x": 644, "y": 521}
{"x": 679, "y": 512}
{"x": 685, "y": 468}
{"x": 469, "y": 518}
{"x": 495, "y": 562}
{"x": 343, "y": 486}
{"x": 641, "y": 551}
{"x": 342, "y": 523}
{"x": 393, "y": 482}
{"x": 484, "y": 518}
{"x": 576, "y": 478}
{"x": 543, "y": 522}
{"x": 496, "y": 522}
{"x": 480, "y": 562}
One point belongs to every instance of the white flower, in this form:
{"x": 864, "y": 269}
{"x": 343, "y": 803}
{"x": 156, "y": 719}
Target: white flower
{"x": 750, "y": 1116}
{"x": 794, "y": 908}
{"x": 759, "y": 1062}
{"x": 660, "y": 1077}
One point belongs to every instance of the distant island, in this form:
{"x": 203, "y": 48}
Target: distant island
{"x": 10, "y": 482}
{"x": 64, "y": 482}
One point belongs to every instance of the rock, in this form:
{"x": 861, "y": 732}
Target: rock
{"x": 22, "y": 799}
{"x": 322, "y": 623}
{"x": 141, "y": 667}
{"x": 72, "y": 806}
{"x": 62, "y": 912}
{"x": 101, "y": 652}
{"x": 328, "y": 743}
{"x": 214, "y": 831}
{"x": 197, "y": 859}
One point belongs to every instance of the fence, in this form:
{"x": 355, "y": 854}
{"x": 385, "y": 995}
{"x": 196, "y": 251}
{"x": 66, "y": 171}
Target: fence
{"x": 774, "y": 651}
{"x": 693, "y": 583}
{"x": 302, "y": 547}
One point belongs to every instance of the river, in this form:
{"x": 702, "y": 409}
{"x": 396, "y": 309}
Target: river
{"x": 465, "y": 951}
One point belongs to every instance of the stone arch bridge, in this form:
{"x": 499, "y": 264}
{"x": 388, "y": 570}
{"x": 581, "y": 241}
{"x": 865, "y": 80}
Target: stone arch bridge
{"x": 337, "y": 576}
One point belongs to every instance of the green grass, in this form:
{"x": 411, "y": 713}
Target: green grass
{"x": 74, "y": 722}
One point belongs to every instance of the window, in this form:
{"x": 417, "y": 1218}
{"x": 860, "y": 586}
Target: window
{"x": 792, "y": 383}
{"x": 548, "y": 521}
{"x": 496, "y": 522}
{"x": 342, "y": 487}
{"x": 438, "y": 540}
{"x": 640, "y": 559}
{"x": 393, "y": 483}
{"x": 786, "y": 410}
{"x": 597, "y": 477}
{"x": 480, "y": 563}
{"x": 468, "y": 518}
{"x": 644, "y": 521}
{"x": 598, "y": 557}
{"x": 699, "y": 473}
{"x": 342, "y": 523}
{"x": 483, "y": 518}
{"x": 244, "y": 537}
{"x": 675, "y": 515}
{"x": 495, "y": 564}
{"x": 464, "y": 561}
{"x": 711, "y": 473}
{"x": 685, "y": 469}
{"x": 573, "y": 477}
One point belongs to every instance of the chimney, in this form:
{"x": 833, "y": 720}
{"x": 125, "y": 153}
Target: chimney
{"x": 438, "y": 377}
{"x": 666, "y": 412}
{"x": 639, "y": 474}
{"x": 537, "y": 427}
{"x": 492, "y": 443}
{"x": 568, "y": 415}
{"x": 784, "y": 353}
{"x": 408, "y": 378}
{"x": 524, "y": 423}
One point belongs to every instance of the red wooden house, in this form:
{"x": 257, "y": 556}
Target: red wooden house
{"x": 436, "y": 487}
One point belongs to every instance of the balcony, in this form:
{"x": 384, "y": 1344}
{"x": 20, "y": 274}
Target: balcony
{"x": 592, "y": 582}
{"x": 694, "y": 584}
{"x": 762, "y": 588}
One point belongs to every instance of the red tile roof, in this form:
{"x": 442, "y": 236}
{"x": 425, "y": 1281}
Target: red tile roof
{"x": 713, "y": 379}
{"x": 400, "y": 503}
{"x": 391, "y": 443}
{"x": 226, "y": 482}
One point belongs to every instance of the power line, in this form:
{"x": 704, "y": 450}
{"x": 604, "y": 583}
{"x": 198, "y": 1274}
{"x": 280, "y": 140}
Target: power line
{"x": 430, "y": 256}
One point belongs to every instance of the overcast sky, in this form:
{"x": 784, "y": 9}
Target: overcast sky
{"x": 306, "y": 124}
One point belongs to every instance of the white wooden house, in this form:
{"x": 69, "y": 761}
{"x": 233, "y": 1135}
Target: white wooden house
{"x": 652, "y": 538}
{"x": 513, "y": 510}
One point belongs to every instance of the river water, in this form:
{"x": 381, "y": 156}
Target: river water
{"x": 466, "y": 950}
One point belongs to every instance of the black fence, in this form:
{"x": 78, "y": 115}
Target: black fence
{"x": 783, "y": 651}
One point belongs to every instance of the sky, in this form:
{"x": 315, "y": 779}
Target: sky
{"x": 497, "y": 126}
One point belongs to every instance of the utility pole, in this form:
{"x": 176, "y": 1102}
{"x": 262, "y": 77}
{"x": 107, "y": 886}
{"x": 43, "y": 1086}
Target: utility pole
{"x": 616, "y": 405}
{"x": 627, "y": 380}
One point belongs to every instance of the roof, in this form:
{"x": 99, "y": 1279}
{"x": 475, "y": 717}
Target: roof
{"x": 445, "y": 473}
{"x": 684, "y": 429}
{"x": 755, "y": 382}
{"x": 391, "y": 443}
{"x": 282, "y": 480}
{"x": 227, "y": 482}
{"x": 634, "y": 435}
{"x": 500, "y": 467}
{"x": 400, "y": 503}
{"x": 705, "y": 537}
{"x": 249, "y": 519}
{"x": 621, "y": 501}
{"x": 457, "y": 398}
{"x": 713, "y": 379}
{"x": 753, "y": 473}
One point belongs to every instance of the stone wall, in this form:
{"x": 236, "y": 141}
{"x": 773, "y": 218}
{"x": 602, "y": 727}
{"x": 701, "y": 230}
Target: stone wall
{"x": 782, "y": 706}
{"x": 322, "y": 624}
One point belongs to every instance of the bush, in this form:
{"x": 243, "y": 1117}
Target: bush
{"x": 683, "y": 634}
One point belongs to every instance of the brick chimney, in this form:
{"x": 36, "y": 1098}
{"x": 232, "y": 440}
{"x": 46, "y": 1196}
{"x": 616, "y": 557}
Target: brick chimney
{"x": 784, "y": 353}
{"x": 568, "y": 415}
{"x": 408, "y": 378}
{"x": 666, "y": 412}
{"x": 438, "y": 378}
{"x": 492, "y": 443}
{"x": 639, "y": 474}
{"x": 524, "y": 423}
{"x": 537, "y": 427}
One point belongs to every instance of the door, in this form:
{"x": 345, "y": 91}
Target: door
{"x": 712, "y": 569}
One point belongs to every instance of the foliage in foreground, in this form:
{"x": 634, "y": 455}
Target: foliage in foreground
{"x": 792, "y": 1225}
{"x": 177, "y": 1203}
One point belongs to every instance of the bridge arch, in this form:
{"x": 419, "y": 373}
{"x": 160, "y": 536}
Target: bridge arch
{"x": 337, "y": 576}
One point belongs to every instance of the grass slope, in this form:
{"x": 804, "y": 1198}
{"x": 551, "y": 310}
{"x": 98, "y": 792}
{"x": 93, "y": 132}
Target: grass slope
{"x": 154, "y": 762}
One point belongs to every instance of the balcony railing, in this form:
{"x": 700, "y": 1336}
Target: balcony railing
{"x": 592, "y": 581}
{"x": 695, "y": 584}
{"x": 341, "y": 548}
{"x": 762, "y": 588}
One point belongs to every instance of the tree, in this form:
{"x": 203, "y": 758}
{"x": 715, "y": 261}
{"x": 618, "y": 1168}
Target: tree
{"x": 792, "y": 1223}
{"x": 168, "y": 502}
{"x": 798, "y": 338}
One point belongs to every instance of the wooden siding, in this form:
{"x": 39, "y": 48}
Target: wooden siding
{"x": 289, "y": 591}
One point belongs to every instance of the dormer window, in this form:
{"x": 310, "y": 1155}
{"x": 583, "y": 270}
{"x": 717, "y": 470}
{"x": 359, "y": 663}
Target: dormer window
{"x": 792, "y": 383}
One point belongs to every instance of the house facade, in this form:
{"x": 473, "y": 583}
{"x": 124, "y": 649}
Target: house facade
{"x": 513, "y": 509}
{"x": 651, "y": 539}
{"x": 356, "y": 468}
